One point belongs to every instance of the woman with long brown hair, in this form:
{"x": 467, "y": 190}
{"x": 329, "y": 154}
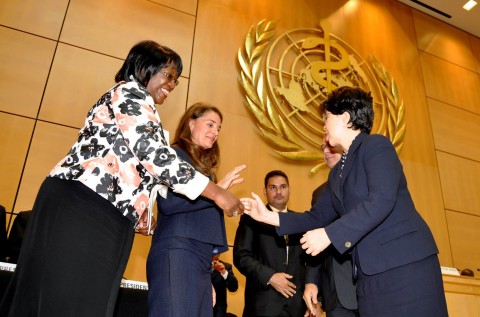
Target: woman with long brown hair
{"x": 189, "y": 232}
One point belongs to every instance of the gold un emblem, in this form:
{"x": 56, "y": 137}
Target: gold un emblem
{"x": 285, "y": 79}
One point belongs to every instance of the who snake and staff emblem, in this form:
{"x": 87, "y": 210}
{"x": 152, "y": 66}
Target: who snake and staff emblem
{"x": 285, "y": 79}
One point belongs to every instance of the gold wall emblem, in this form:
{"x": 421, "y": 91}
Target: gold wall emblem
{"x": 285, "y": 79}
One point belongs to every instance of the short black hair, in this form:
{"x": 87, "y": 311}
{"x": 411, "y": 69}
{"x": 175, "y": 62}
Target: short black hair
{"x": 354, "y": 100}
{"x": 146, "y": 59}
{"x": 273, "y": 174}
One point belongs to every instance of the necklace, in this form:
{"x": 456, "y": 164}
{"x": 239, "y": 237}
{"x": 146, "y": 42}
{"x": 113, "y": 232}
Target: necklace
{"x": 342, "y": 162}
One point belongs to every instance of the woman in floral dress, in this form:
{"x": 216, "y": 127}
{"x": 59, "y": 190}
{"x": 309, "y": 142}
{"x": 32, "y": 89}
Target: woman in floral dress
{"x": 80, "y": 235}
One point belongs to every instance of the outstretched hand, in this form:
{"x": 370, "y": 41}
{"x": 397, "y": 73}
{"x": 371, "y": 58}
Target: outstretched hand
{"x": 232, "y": 178}
{"x": 255, "y": 208}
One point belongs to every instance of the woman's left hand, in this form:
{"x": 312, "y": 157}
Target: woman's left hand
{"x": 315, "y": 241}
{"x": 142, "y": 225}
{"x": 232, "y": 178}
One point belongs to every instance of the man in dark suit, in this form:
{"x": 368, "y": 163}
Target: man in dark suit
{"x": 222, "y": 279}
{"x": 274, "y": 266}
{"x": 330, "y": 271}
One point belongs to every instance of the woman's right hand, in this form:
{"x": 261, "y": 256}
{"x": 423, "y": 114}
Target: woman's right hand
{"x": 230, "y": 204}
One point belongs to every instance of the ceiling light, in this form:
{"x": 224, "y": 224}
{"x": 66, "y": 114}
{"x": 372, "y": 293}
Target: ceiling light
{"x": 469, "y": 5}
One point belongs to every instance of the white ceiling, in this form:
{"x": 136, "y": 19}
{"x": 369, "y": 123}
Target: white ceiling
{"x": 468, "y": 21}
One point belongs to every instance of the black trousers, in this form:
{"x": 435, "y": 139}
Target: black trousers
{"x": 73, "y": 256}
{"x": 340, "y": 311}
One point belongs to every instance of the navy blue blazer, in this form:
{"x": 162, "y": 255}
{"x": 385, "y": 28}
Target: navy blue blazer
{"x": 198, "y": 219}
{"x": 378, "y": 220}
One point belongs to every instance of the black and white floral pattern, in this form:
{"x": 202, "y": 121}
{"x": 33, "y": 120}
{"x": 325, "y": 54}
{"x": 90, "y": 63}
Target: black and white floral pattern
{"x": 121, "y": 153}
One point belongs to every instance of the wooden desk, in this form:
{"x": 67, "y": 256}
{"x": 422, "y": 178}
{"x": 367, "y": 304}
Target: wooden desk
{"x": 463, "y": 295}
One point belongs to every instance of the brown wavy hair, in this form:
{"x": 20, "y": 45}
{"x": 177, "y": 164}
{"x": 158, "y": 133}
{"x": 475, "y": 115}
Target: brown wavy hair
{"x": 204, "y": 160}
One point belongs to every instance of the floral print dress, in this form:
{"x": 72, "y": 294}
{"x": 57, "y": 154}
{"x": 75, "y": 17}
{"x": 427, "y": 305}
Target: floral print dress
{"x": 122, "y": 153}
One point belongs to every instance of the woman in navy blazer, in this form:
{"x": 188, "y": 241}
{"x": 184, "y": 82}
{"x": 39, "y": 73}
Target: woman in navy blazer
{"x": 395, "y": 260}
{"x": 189, "y": 232}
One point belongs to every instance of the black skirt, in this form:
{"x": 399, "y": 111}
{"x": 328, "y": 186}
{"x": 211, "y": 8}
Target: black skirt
{"x": 74, "y": 253}
{"x": 412, "y": 290}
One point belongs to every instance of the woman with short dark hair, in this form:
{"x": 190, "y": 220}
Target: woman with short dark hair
{"x": 367, "y": 210}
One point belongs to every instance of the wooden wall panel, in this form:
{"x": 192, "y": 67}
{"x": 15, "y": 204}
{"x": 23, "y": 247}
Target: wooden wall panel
{"x": 136, "y": 266}
{"x": 386, "y": 31}
{"x": 455, "y": 130}
{"x": 15, "y": 133}
{"x": 462, "y": 305}
{"x": 77, "y": 80}
{"x": 24, "y": 71}
{"x": 475, "y": 43}
{"x": 220, "y": 31}
{"x": 50, "y": 144}
{"x": 463, "y": 92}
{"x": 187, "y": 6}
{"x": 24, "y": 15}
{"x": 460, "y": 183}
{"x": 464, "y": 237}
{"x": 443, "y": 41}
{"x": 112, "y": 28}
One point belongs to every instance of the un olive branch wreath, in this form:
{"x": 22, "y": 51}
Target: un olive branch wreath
{"x": 271, "y": 124}
{"x": 396, "y": 127}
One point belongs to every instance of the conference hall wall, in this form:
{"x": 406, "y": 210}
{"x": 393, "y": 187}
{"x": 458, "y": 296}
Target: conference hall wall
{"x": 59, "y": 56}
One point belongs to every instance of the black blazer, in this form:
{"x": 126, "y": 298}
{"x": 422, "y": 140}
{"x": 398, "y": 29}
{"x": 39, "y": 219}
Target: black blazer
{"x": 376, "y": 215}
{"x": 258, "y": 253}
{"x": 221, "y": 285}
{"x": 332, "y": 273}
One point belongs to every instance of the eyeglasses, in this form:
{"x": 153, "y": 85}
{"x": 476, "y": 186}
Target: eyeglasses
{"x": 170, "y": 78}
